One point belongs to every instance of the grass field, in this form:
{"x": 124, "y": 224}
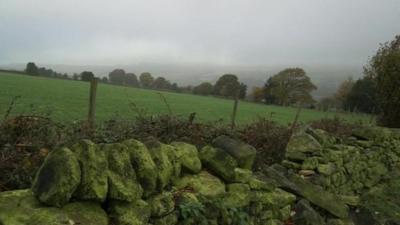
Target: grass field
{"x": 67, "y": 100}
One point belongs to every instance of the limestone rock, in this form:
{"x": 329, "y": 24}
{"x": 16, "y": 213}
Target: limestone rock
{"x": 93, "y": 165}
{"x": 57, "y": 178}
{"x": 189, "y": 156}
{"x": 242, "y": 152}
{"x": 202, "y": 183}
{"x": 303, "y": 142}
{"x": 129, "y": 213}
{"x": 143, "y": 164}
{"x": 320, "y": 197}
{"x": 122, "y": 184}
{"x": 220, "y": 162}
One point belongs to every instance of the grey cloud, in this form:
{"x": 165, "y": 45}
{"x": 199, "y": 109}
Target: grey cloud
{"x": 233, "y": 32}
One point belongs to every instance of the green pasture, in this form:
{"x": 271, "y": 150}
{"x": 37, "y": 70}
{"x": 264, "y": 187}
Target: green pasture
{"x": 66, "y": 100}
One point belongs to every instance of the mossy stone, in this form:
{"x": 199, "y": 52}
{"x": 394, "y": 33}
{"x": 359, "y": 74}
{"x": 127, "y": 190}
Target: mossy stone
{"x": 188, "y": 156}
{"x": 143, "y": 164}
{"x": 219, "y": 162}
{"x": 20, "y": 207}
{"x": 161, "y": 204}
{"x": 129, "y": 213}
{"x": 122, "y": 183}
{"x": 58, "y": 178}
{"x": 170, "y": 219}
{"x": 203, "y": 183}
{"x": 237, "y": 195}
{"x": 303, "y": 143}
{"x": 93, "y": 163}
{"x": 165, "y": 169}
{"x": 275, "y": 199}
{"x": 242, "y": 152}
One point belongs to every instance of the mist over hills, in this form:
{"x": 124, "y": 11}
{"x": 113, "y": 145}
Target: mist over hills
{"x": 326, "y": 77}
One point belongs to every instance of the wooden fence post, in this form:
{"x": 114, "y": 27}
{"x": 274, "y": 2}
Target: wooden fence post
{"x": 92, "y": 103}
{"x": 235, "y": 105}
{"x": 299, "y": 107}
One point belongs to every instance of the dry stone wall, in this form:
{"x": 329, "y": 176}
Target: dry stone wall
{"x": 353, "y": 180}
{"x": 131, "y": 183}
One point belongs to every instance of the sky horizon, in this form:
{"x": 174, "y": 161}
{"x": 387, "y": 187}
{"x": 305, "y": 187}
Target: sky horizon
{"x": 209, "y": 32}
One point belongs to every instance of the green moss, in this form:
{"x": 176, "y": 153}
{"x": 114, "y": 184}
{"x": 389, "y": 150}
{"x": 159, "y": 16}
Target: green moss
{"x": 220, "y": 162}
{"x": 174, "y": 158}
{"x": 161, "y": 204}
{"x": 274, "y": 199}
{"x": 22, "y": 208}
{"x": 129, "y": 213}
{"x": 304, "y": 143}
{"x": 188, "y": 156}
{"x": 170, "y": 219}
{"x": 242, "y": 152}
{"x": 203, "y": 183}
{"x": 237, "y": 195}
{"x": 121, "y": 175}
{"x": 58, "y": 178}
{"x": 165, "y": 169}
{"x": 93, "y": 165}
{"x": 143, "y": 164}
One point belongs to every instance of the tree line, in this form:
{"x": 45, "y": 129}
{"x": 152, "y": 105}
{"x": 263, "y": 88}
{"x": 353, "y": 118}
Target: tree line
{"x": 227, "y": 85}
{"x": 377, "y": 92}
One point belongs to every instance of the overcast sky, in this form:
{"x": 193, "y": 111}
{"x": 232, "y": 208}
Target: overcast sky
{"x": 221, "y": 32}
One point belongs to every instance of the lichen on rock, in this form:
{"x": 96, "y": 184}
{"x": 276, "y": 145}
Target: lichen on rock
{"x": 93, "y": 164}
{"x": 188, "y": 156}
{"x": 129, "y": 213}
{"x": 219, "y": 162}
{"x": 122, "y": 183}
{"x": 143, "y": 164}
{"x": 58, "y": 178}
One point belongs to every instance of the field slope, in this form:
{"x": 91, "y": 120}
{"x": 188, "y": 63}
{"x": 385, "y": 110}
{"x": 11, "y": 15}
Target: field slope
{"x": 66, "y": 100}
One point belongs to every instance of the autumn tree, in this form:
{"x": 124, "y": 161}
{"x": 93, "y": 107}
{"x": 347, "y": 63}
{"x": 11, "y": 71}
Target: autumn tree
{"x": 227, "y": 85}
{"x": 384, "y": 69}
{"x": 205, "y": 88}
{"x": 257, "y": 94}
{"x": 343, "y": 91}
{"x": 146, "y": 80}
{"x": 289, "y": 86}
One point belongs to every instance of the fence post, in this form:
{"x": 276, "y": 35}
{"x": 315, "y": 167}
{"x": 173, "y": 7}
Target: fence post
{"x": 299, "y": 107}
{"x": 92, "y": 103}
{"x": 235, "y": 105}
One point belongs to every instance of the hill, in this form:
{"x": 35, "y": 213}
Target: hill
{"x": 66, "y": 100}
